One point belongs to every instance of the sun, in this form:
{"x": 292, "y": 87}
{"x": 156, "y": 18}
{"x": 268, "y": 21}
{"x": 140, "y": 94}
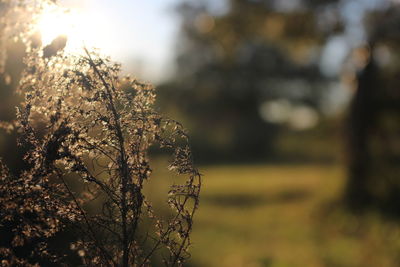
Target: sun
{"x": 55, "y": 21}
{"x": 83, "y": 27}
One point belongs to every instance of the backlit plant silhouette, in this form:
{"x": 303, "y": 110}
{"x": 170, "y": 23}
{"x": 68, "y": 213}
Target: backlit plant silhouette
{"x": 82, "y": 120}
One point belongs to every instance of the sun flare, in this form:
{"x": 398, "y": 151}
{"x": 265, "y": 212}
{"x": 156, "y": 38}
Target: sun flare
{"x": 83, "y": 27}
{"x": 76, "y": 26}
{"x": 54, "y": 22}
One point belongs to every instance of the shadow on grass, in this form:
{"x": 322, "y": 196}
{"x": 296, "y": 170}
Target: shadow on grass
{"x": 248, "y": 200}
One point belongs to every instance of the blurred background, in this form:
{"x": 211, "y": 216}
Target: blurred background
{"x": 293, "y": 108}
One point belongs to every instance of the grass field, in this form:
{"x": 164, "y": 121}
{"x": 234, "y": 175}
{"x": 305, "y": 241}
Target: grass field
{"x": 284, "y": 216}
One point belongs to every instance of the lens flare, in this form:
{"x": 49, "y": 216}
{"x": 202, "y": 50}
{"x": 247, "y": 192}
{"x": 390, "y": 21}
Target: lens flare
{"x": 54, "y": 22}
{"x": 81, "y": 28}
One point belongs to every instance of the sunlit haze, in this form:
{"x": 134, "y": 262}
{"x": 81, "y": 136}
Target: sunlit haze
{"x": 55, "y": 22}
{"x": 139, "y": 34}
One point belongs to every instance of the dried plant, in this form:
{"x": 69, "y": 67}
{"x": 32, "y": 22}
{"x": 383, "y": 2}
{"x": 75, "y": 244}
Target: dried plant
{"x": 32, "y": 214}
{"x": 17, "y": 23}
{"x": 82, "y": 119}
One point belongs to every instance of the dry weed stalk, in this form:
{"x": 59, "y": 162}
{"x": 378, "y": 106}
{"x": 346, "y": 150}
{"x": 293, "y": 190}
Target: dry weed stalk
{"x": 81, "y": 119}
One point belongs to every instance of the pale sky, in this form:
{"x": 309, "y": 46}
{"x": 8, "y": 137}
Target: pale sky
{"x": 141, "y": 34}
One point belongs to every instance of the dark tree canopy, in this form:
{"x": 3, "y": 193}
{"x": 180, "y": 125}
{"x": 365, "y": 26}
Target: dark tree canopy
{"x": 230, "y": 64}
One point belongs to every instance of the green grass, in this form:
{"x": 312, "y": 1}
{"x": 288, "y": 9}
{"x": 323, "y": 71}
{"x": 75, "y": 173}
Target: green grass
{"x": 280, "y": 216}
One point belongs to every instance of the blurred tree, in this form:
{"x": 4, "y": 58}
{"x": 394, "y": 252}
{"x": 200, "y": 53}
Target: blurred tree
{"x": 229, "y": 64}
{"x": 16, "y": 35}
{"x": 9, "y": 80}
{"x": 373, "y": 121}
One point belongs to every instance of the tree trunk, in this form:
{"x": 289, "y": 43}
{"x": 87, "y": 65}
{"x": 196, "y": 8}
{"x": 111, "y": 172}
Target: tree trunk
{"x": 359, "y": 123}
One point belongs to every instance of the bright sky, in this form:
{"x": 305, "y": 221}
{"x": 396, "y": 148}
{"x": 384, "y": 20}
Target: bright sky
{"x": 141, "y": 34}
